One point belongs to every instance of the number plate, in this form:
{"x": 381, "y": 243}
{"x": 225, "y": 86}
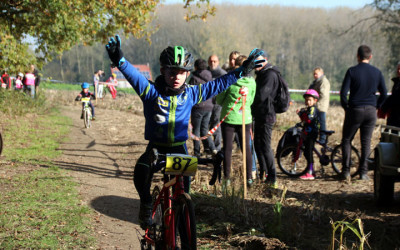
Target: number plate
{"x": 85, "y": 99}
{"x": 180, "y": 164}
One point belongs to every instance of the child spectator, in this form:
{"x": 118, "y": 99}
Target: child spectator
{"x": 113, "y": 82}
{"x": 18, "y": 81}
{"x": 310, "y": 118}
{"x": 5, "y": 80}
{"x": 86, "y": 93}
{"x": 29, "y": 83}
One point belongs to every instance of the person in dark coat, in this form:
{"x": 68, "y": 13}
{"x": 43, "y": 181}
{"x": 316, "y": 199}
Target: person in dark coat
{"x": 264, "y": 119}
{"x": 201, "y": 113}
{"x": 391, "y": 106}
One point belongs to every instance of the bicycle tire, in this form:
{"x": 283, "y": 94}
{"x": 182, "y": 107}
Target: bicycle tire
{"x": 285, "y": 161}
{"x": 1, "y": 143}
{"x": 86, "y": 118}
{"x": 185, "y": 223}
{"x": 157, "y": 220}
{"x": 336, "y": 160}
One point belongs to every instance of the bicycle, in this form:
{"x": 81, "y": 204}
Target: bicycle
{"x": 292, "y": 161}
{"x": 86, "y": 111}
{"x": 173, "y": 216}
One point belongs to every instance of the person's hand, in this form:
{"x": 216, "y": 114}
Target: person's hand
{"x": 243, "y": 91}
{"x": 250, "y": 63}
{"x": 114, "y": 51}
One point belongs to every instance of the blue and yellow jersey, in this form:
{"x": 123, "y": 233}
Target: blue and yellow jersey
{"x": 167, "y": 117}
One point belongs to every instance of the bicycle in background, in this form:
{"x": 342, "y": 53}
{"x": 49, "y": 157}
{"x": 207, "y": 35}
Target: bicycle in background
{"x": 86, "y": 111}
{"x": 291, "y": 159}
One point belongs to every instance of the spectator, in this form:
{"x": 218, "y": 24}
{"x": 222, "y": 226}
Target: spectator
{"x": 363, "y": 81}
{"x": 322, "y": 85}
{"x": 113, "y": 82}
{"x": 5, "y": 80}
{"x": 264, "y": 118}
{"x": 232, "y": 58}
{"x": 391, "y": 106}
{"x": 29, "y": 83}
{"x": 35, "y": 72}
{"x": 311, "y": 125}
{"x": 18, "y": 85}
{"x": 97, "y": 86}
{"x": 216, "y": 71}
{"x": 233, "y": 122}
{"x": 201, "y": 112}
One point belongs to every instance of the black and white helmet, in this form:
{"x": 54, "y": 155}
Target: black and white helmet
{"x": 176, "y": 57}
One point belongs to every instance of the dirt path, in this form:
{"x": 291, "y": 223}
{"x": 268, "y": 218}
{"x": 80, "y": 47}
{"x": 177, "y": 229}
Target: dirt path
{"x": 101, "y": 160}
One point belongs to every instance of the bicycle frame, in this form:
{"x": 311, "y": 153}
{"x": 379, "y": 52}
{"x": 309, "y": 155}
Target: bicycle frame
{"x": 169, "y": 214}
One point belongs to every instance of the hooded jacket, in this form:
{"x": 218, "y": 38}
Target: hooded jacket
{"x": 227, "y": 99}
{"x": 167, "y": 114}
{"x": 199, "y": 77}
{"x": 267, "y": 87}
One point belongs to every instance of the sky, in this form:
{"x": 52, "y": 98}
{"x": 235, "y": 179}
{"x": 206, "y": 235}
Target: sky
{"x": 355, "y": 4}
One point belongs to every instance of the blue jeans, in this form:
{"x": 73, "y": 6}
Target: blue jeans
{"x": 201, "y": 121}
{"x": 214, "y": 120}
{"x": 31, "y": 89}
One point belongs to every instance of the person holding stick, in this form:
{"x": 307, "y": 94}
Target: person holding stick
{"x": 245, "y": 86}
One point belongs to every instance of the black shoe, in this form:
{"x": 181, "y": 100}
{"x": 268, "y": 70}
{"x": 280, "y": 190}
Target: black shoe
{"x": 345, "y": 176}
{"x": 364, "y": 177}
{"x": 81, "y": 116}
{"x": 145, "y": 215}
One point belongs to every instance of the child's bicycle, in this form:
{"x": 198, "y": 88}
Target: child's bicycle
{"x": 86, "y": 112}
{"x": 173, "y": 217}
{"x": 291, "y": 159}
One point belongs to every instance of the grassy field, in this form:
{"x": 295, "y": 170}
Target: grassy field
{"x": 40, "y": 206}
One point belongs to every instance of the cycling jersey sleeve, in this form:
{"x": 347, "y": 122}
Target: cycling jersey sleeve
{"x": 139, "y": 83}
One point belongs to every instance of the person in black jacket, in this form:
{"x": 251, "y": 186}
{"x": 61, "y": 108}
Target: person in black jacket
{"x": 201, "y": 113}
{"x": 264, "y": 118}
{"x": 391, "y": 106}
{"x": 363, "y": 81}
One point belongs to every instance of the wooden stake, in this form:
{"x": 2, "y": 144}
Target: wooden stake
{"x": 244, "y": 145}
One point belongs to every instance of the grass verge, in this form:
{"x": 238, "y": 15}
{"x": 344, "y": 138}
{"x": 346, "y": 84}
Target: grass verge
{"x": 40, "y": 207}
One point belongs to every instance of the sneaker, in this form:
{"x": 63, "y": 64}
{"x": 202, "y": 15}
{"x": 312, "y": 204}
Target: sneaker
{"x": 93, "y": 118}
{"x": 145, "y": 215}
{"x": 308, "y": 176}
{"x": 272, "y": 184}
{"x": 250, "y": 183}
{"x": 364, "y": 177}
{"x": 345, "y": 176}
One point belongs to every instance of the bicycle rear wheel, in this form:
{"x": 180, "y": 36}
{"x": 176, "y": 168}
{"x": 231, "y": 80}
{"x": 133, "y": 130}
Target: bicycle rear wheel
{"x": 337, "y": 156}
{"x": 87, "y": 118}
{"x": 157, "y": 219}
{"x": 286, "y": 161}
{"x": 185, "y": 224}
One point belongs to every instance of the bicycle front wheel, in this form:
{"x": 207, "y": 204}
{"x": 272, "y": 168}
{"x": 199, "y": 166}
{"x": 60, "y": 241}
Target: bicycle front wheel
{"x": 337, "y": 157}
{"x": 185, "y": 224}
{"x": 157, "y": 219}
{"x": 287, "y": 160}
{"x": 86, "y": 118}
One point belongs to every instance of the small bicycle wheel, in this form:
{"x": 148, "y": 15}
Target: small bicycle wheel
{"x": 87, "y": 118}
{"x": 185, "y": 224}
{"x": 287, "y": 163}
{"x": 157, "y": 228}
{"x": 337, "y": 157}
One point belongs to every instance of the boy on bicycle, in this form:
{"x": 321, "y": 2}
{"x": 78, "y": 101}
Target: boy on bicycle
{"x": 167, "y": 104}
{"x": 309, "y": 117}
{"x": 86, "y": 93}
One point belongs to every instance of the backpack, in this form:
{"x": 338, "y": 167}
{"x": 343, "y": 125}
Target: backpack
{"x": 291, "y": 136}
{"x": 281, "y": 101}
